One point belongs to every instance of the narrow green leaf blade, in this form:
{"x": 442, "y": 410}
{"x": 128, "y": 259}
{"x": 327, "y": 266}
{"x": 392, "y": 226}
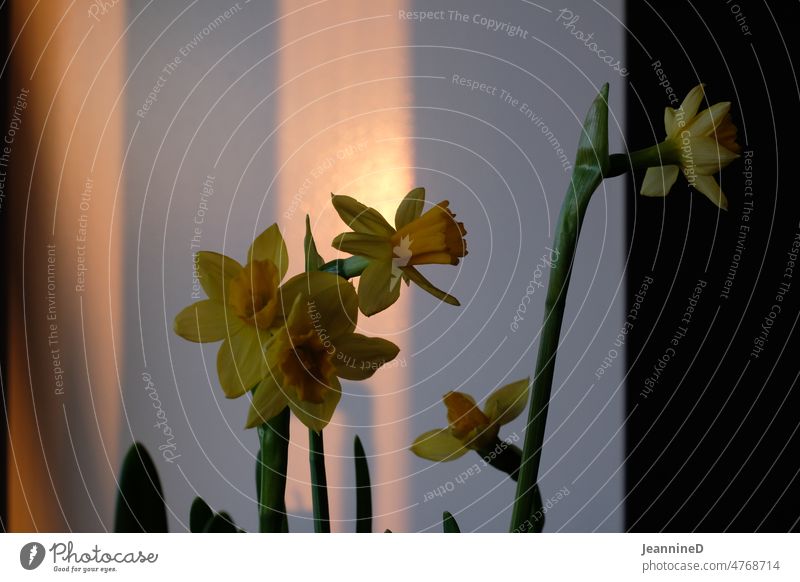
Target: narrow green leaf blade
{"x": 140, "y": 499}
{"x": 319, "y": 483}
{"x": 363, "y": 489}
{"x": 199, "y": 515}
{"x": 449, "y": 523}
{"x": 221, "y": 523}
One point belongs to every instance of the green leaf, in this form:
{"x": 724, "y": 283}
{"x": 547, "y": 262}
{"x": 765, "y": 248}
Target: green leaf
{"x": 591, "y": 163}
{"x": 221, "y": 523}
{"x": 271, "y": 465}
{"x": 199, "y": 515}
{"x": 363, "y": 490}
{"x": 313, "y": 259}
{"x": 319, "y": 483}
{"x": 449, "y": 524}
{"x": 140, "y": 499}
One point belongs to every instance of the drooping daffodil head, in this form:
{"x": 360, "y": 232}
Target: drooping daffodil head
{"x": 419, "y": 237}
{"x": 469, "y": 427}
{"x": 698, "y": 145}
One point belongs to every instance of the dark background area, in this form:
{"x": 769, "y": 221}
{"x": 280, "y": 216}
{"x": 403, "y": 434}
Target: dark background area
{"x": 714, "y": 446}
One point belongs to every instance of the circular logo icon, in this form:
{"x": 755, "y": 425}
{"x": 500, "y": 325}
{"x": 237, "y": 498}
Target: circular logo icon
{"x": 31, "y": 555}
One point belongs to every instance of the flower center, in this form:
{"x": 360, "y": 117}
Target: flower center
{"x": 308, "y": 367}
{"x": 434, "y": 237}
{"x": 253, "y": 293}
{"x": 467, "y": 422}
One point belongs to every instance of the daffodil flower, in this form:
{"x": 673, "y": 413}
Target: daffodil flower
{"x": 250, "y": 312}
{"x": 471, "y": 428}
{"x": 393, "y": 253}
{"x": 698, "y": 144}
{"x": 315, "y": 348}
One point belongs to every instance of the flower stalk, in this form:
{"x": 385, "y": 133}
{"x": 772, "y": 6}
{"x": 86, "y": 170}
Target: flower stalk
{"x": 592, "y": 163}
{"x": 273, "y": 458}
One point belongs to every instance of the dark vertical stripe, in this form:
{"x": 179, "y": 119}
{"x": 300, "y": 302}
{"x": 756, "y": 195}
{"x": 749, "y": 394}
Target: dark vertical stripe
{"x": 714, "y": 444}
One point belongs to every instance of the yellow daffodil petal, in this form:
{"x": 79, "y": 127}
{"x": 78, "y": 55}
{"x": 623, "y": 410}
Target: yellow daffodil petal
{"x": 216, "y": 271}
{"x": 708, "y": 186}
{"x": 418, "y": 278}
{"x": 268, "y": 401}
{"x": 706, "y": 156}
{"x": 507, "y": 403}
{"x": 363, "y": 244}
{"x": 333, "y": 311}
{"x": 361, "y": 218}
{"x": 316, "y": 416}
{"x": 725, "y": 134}
{"x": 671, "y": 122}
{"x": 269, "y": 245}
{"x": 308, "y": 285}
{"x": 438, "y": 445}
{"x": 205, "y": 321}
{"x": 704, "y": 124}
{"x": 240, "y": 362}
{"x": 378, "y": 287}
{"x": 464, "y": 416}
{"x": 658, "y": 181}
{"x": 359, "y": 356}
{"x": 410, "y": 208}
{"x": 691, "y": 104}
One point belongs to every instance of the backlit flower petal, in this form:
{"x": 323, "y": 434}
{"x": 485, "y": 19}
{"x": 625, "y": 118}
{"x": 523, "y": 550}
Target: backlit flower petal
{"x": 360, "y": 217}
{"x": 308, "y": 285}
{"x": 418, "y": 278}
{"x": 358, "y": 357}
{"x": 333, "y": 310}
{"x": 658, "y": 181}
{"x": 205, "y": 321}
{"x": 438, "y": 445}
{"x": 316, "y": 416}
{"x": 378, "y": 287}
{"x": 363, "y": 244}
{"x": 507, "y": 403}
{"x": 671, "y": 123}
{"x": 706, "y": 157}
{"x": 708, "y": 186}
{"x": 269, "y": 245}
{"x": 268, "y": 401}
{"x": 240, "y": 362}
{"x": 691, "y": 104}
{"x": 708, "y": 120}
{"x": 410, "y": 208}
{"x": 216, "y": 271}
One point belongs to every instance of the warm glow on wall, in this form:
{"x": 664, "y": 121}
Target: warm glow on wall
{"x": 343, "y": 99}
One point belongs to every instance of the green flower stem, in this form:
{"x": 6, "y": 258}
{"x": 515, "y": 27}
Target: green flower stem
{"x": 662, "y": 154}
{"x": 504, "y": 457}
{"x": 273, "y": 460}
{"x": 591, "y": 164}
{"x": 348, "y": 268}
{"x": 319, "y": 483}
